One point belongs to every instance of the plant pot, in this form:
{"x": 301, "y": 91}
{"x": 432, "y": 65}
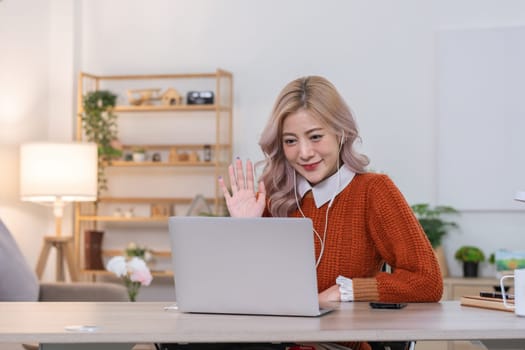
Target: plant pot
{"x": 470, "y": 269}
{"x": 139, "y": 157}
{"x": 93, "y": 250}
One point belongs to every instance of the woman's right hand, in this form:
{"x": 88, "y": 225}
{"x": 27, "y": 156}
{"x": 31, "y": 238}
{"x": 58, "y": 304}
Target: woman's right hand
{"x": 243, "y": 201}
{"x": 330, "y": 294}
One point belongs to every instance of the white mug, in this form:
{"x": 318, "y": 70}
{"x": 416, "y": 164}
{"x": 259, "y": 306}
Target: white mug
{"x": 519, "y": 292}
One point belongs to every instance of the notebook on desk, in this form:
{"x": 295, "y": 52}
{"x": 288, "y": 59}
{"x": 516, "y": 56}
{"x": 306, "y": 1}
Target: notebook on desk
{"x": 485, "y": 303}
{"x": 256, "y": 266}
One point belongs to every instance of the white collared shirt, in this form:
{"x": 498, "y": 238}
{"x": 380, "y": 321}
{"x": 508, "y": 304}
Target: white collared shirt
{"x": 328, "y": 188}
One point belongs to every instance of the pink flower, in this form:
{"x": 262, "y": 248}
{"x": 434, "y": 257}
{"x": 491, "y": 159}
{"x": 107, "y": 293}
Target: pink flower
{"x": 139, "y": 271}
{"x": 142, "y": 276}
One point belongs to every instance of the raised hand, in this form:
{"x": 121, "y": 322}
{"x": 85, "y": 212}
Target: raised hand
{"x": 244, "y": 201}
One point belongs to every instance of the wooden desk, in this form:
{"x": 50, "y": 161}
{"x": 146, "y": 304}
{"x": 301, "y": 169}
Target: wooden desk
{"x": 44, "y": 322}
{"x": 453, "y": 289}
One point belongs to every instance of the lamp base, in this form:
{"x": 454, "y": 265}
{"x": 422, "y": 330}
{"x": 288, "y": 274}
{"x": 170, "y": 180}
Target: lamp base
{"x": 64, "y": 247}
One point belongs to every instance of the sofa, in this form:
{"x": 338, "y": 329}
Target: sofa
{"x": 18, "y": 281}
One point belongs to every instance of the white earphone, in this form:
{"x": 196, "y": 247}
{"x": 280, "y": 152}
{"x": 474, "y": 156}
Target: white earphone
{"x": 338, "y": 173}
{"x": 331, "y": 200}
{"x": 322, "y": 239}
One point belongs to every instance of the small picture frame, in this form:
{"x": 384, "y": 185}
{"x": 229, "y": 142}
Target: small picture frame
{"x": 161, "y": 210}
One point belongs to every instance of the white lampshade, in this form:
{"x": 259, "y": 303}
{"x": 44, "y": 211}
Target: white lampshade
{"x": 520, "y": 196}
{"x": 51, "y": 172}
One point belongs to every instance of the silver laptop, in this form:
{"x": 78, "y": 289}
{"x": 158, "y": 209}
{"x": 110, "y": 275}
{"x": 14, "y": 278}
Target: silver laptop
{"x": 256, "y": 266}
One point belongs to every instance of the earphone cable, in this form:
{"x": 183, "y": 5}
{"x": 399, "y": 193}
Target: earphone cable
{"x": 321, "y": 239}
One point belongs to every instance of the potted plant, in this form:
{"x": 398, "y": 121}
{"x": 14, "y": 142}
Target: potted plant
{"x": 435, "y": 227}
{"x": 139, "y": 154}
{"x": 433, "y": 224}
{"x": 100, "y": 126}
{"x": 471, "y": 256}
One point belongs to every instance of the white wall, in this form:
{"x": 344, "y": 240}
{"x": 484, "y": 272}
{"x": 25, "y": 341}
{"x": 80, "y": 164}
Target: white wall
{"x": 268, "y": 44}
{"x": 380, "y": 54}
{"x": 36, "y": 104}
{"x": 24, "y": 105}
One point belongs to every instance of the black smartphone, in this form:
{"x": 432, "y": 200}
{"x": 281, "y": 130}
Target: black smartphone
{"x": 376, "y": 305}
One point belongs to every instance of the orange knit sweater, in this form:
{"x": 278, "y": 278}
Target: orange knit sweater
{"x": 370, "y": 223}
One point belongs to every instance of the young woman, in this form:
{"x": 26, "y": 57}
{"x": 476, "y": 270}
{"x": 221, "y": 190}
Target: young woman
{"x": 361, "y": 220}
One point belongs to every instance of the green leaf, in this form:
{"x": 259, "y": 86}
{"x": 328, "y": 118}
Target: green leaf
{"x": 469, "y": 254}
{"x": 99, "y": 124}
{"x": 431, "y": 221}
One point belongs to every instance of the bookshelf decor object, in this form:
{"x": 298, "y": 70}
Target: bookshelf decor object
{"x": 185, "y": 146}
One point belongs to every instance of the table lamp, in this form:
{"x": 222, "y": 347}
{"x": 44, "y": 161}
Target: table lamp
{"x": 55, "y": 173}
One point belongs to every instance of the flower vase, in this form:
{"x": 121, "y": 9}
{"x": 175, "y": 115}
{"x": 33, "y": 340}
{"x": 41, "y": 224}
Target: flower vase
{"x": 133, "y": 289}
{"x": 133, "y": 271}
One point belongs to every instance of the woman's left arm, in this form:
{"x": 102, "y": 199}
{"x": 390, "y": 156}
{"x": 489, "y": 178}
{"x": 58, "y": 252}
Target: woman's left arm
{"x": 402, "y": 243}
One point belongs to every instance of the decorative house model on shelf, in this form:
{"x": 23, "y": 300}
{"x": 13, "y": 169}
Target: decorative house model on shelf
{"x": 171, "y": 97}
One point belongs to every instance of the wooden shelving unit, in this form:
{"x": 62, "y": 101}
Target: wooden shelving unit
{"x": 123, "y": 219}
{"x": 213, "y": 135}
{"x": 186, "y": 163}
{"x": 185, "y": 108}
{"x": 93, "y": 274}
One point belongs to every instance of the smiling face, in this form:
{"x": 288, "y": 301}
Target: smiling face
{"x": 310, "y": 147}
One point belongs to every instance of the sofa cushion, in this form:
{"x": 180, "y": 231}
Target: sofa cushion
{"x": 18, "y": 282}
{"x": 82, "y": 291}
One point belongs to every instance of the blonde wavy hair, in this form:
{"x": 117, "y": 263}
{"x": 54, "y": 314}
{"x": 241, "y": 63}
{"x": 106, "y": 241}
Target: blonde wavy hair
{"x": 320, "y": 99}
